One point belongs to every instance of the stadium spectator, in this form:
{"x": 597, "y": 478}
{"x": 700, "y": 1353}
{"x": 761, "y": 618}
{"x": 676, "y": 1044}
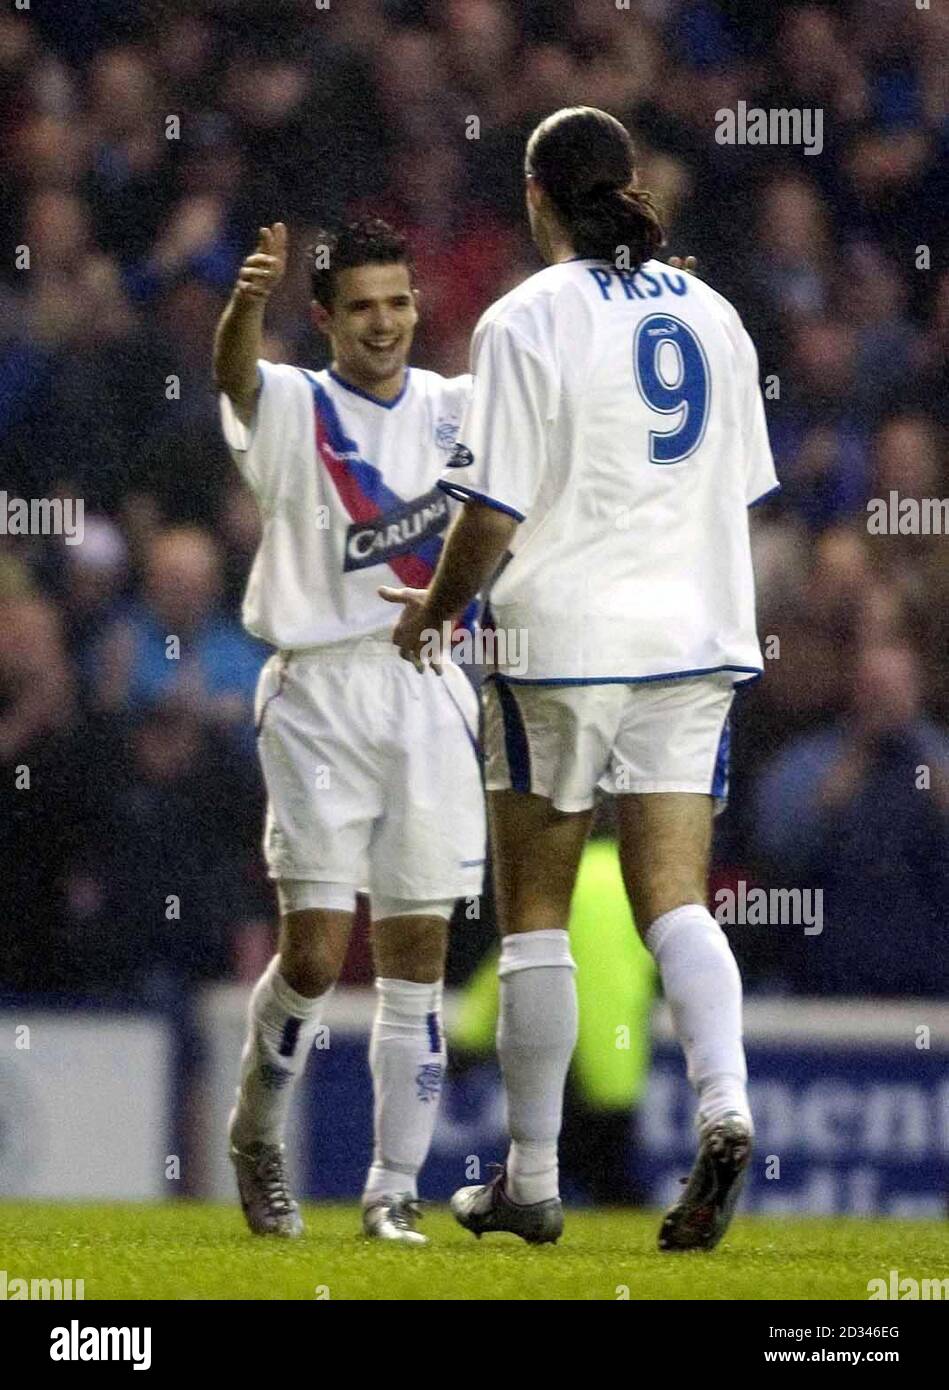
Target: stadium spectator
{"x": 36, "y": 711}
{"x": 94, "y": 574}
{"x": 861, "y": 811}
{"x": 176, "y": 645}
{"x": 157, "y": 893}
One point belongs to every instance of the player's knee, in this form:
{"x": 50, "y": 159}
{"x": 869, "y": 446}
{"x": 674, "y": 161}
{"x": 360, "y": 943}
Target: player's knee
{"x": 412, "y": 946}
{"x": 419, "y": 956}
{"x": 313, "y": 944}
{"x": 310, "y": 966}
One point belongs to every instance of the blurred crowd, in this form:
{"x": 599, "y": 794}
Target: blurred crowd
{"x": 142, "y": 146}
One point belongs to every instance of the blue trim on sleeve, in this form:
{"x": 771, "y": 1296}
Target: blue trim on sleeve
{"x": 466, "y": 494}
{"x": 765, "y": 495}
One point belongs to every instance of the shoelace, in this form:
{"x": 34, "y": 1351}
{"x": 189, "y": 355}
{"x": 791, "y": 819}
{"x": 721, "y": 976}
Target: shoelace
{"x": 498, "y": 1170}
{"x": 273, "y": 1179}
{"x": 402, "y": 1214}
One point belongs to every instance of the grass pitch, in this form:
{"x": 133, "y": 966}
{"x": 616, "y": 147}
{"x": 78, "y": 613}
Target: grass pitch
{"x": 190, "y": 1250}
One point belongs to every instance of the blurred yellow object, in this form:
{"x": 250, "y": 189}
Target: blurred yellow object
{"x": 15, "y": 579}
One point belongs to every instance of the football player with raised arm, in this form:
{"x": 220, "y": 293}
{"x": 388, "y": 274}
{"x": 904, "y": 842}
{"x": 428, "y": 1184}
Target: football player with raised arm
{"x": 361, "y": 754}
{"x": 615, "y": 439}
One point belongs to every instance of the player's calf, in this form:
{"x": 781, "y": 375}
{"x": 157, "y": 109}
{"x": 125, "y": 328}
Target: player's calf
{"x": 406, "y": 1057}
{"x": 281, "y": 1028}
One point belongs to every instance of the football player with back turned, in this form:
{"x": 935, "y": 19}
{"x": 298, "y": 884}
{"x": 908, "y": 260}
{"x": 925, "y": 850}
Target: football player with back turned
{"x": 614, "y": 442}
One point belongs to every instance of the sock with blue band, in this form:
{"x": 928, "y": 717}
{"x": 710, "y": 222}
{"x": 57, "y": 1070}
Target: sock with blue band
{"x": 407, "y": 1060}
{"x": 282, "y": 1026}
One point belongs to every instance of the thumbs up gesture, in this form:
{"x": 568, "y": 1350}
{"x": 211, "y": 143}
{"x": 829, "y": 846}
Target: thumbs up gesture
{"x": 263, "y": 270}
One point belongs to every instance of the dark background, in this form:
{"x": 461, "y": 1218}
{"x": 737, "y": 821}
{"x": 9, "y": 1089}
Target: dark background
{"x": 142, "y": 774}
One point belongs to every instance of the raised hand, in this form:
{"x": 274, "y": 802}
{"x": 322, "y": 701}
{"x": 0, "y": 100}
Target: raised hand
{"x": 263, "y": 270}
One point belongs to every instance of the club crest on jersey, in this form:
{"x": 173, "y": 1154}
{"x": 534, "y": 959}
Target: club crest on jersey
{"x": 446, "y": 432}
{"x": 461, "y": 457}
{"x": 397, "y": 532}
{"x": 668, "y": 329}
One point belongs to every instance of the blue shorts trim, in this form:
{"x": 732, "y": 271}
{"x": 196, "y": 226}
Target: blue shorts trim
{"x": 752, "y": 673}
{"x": 722, "y": 761}
{"x": 515, "y": 740}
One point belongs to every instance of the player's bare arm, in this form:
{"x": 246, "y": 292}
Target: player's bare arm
{"x": 471, "y": 554}
{"x": 240, "y": 330}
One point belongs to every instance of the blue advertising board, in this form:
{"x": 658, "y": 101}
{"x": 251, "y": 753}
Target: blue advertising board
{"x": 854, "y": 1125}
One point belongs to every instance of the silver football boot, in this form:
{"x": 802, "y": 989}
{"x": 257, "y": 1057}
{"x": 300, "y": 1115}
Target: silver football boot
{"x": 393, "y": 1218}
{"x": 488, "y": 1208}
{"x": 261, "y": 1171}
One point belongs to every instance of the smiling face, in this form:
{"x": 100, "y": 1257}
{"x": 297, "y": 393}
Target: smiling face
{"x": 371, "y": 326}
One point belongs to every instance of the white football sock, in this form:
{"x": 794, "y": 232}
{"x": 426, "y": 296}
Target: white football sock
{"x": 407, "y": 1061}
{"x": 537, "y": 1032}
{"x": 281, "y": 1028}
{"x": 702, "y": 986}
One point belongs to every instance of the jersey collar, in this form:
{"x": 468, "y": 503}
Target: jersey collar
{"x": 366, "y": 396}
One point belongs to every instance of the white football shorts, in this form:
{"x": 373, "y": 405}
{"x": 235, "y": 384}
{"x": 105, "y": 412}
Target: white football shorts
{"x": 564, "y": 741}
{"x": 372, "y": 771}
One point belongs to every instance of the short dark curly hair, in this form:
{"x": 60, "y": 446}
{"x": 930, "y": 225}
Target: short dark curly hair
{"x": 365, "y": 241}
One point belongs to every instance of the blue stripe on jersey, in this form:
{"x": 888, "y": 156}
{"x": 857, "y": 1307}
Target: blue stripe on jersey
{"x": 365, "y": 475}
{"x": 722, "y": 760}
{"x": 516, "y": 745}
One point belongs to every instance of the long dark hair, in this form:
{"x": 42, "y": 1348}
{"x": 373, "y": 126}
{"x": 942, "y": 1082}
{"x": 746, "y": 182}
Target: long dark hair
{"x": 585, "y": 162}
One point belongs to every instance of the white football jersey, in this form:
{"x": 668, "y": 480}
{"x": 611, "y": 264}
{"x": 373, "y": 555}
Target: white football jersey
{"x": 618, "y": 416}
{"x": 346, "y": 486}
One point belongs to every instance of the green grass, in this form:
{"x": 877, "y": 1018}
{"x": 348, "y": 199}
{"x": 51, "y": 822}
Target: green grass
{"x": 196, "y": 1251}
